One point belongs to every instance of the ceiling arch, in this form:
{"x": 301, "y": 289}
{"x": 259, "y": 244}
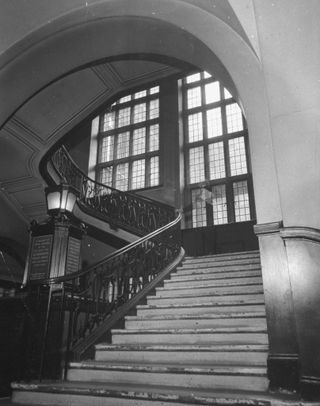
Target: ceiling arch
{"x": 111, "y": 28}
{"x": 117, "y": 29}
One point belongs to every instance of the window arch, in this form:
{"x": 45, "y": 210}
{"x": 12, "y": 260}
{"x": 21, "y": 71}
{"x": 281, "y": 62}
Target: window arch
{"x": 217, "y": 167}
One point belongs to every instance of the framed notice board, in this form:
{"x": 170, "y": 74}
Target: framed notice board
{"x": 40, "y": 258}
{"x": 73, "y": 255}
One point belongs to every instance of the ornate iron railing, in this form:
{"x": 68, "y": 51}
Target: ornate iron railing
{"x": 75, "y": 309}
{"x": 90, "y": 296}
{"x": 126, "y": 210}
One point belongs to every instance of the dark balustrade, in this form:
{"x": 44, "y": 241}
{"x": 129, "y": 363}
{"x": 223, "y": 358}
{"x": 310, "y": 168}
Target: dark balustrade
{"x": 73, "y": 311}
{"x": 83, "y": 301}
{"x": 125, "y": 210}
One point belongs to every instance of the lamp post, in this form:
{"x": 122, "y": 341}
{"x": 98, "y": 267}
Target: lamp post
{"x": 55, "y": 245}
{"x": 54, "y": 251}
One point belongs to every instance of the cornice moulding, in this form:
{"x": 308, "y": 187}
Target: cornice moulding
{"x": 300, "y": 233}
{"x": 267, "y": 228}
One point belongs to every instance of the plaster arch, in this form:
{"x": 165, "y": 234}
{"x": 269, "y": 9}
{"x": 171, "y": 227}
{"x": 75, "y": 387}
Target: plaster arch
{"x": 192, "y": 35}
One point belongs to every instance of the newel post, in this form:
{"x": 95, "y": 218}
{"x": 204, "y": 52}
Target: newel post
{"x": 283, "y": 357}
{"x": 54, "y": 252}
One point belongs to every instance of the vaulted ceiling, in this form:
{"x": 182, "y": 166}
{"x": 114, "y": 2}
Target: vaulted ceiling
{"x": 44, "y": 119}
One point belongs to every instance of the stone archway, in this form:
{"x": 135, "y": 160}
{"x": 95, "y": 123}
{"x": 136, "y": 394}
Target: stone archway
{"x": 90, "y": 34}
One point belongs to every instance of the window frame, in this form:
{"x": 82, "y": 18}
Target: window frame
{"x": 228, "y": 180}
{"x": 147, "y": 155}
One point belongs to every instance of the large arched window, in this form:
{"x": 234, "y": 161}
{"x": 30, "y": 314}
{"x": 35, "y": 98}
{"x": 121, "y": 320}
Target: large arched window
{"x": 217, "y": 170}
{"x": 218, "y": 185}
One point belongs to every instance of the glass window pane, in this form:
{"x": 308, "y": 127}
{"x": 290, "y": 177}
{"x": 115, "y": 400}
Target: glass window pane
{"x": 237, "y": 154}
{"x": 199, "y": 215}
{"x": 207, "y": 75}
{"x": 196, "y": 165}
{"x": 154, "y": 138}
{"x": 138, "y": 95}
{"x": 219, "y": 204}
{"x": 106, "y": 149}
{"x": 214, "y": 122}
{"x": 124, "y": 117}
{"x": 227, "y": 94}
{"x": 154, "y": 109}
{"x": 123, "y": 145}
{"x": 193, "y": 78}
{"x": 241, "y": 201}
{"x": 109, "y": 121}
{"x": 234, "y": 118}
{"x": 195, "y": 130}
{"x": 212, "y": 91}
{"x": 125, "y": 99}
{"x": 154, "y": 90}
{"x": 140, "y": 113}
{"x": 194, "y": 97}
{"x": 138, "y": 174}
{"x": 122, "y": 176}
{"x": 216, "y": 161}
{"x": 106, "y": 176}
{"x": 139, "y": 141}
{"x": 154, "y": 171}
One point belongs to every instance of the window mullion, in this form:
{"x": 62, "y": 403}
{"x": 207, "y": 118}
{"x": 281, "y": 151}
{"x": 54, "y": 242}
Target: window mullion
{"x": 251, "y": 200}
{"x": 130, "y": 161}
{"x": 230, "y": 202}
{"x": 147, "y": 171}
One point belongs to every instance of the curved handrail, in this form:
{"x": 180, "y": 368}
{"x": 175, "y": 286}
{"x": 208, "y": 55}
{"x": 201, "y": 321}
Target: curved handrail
{"x": 91, "y": 295}
{"x": 127, "y": 210}
{"x": 110, "y": 257}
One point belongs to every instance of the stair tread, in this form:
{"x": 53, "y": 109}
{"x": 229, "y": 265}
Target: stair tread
{"x": 184, "y": 347}
{"x": 221, "y": 264}
{"x": 226, "y": 275}
{"x": 170, "y": 393}
{"x": 169, "y": 368}
{"x": 209, "y": 286}
{"x": 202, "y": 316}
{"x": 204, "y": 304}
{"x": 227, "y": 254}
{"x": 217, "y": 277}
{"x": 248, "y": 329}
{"x": 211, "y": 295}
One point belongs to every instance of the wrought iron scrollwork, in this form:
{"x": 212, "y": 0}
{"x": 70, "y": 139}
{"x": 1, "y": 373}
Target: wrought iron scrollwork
{"x": 89, "y": 297}
{"x": 125, "y": 210}
{"x": 94, "y": 294}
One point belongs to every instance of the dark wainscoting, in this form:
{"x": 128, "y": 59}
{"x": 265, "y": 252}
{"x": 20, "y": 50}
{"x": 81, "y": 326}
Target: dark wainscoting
{"x": 220, "y": 239}
{"x": 12, "y": 325}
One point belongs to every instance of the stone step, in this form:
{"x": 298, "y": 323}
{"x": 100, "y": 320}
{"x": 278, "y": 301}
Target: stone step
{"x": 234, "y": 306}
{"x": 115, "y": 394}
{"x": 217, "y": 335}
{"x": 254, "y": 355}
{"x": 195, "y": 321}
{"x": 199, "y": 280}
{"x": 205, "y": 298}
{"x": 220, "y": 262}
{"x": 225, "y": 256}
{"x": 197, "y": 376}
{"x": 209, "y": 289}
{"x": 220, "y": 275}
{"x": 205, "y": 269}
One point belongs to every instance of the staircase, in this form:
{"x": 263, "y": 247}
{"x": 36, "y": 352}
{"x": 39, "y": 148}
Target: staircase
{"x": 201, "y": 339}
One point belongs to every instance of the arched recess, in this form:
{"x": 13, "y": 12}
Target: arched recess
{"x": 122, "y": 27}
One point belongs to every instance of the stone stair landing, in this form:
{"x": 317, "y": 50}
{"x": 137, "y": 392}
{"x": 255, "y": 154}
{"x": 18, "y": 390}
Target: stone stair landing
{"x": 202, "y": 334}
